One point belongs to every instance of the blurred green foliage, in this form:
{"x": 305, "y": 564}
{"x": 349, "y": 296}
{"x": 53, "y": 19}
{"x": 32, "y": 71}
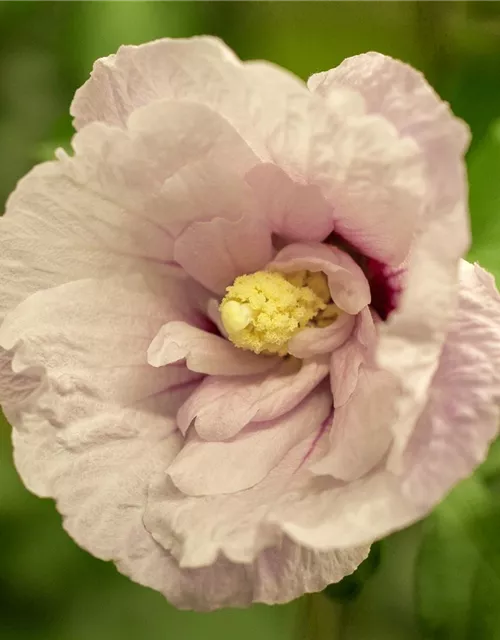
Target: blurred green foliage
{"x": 50, "y": 589}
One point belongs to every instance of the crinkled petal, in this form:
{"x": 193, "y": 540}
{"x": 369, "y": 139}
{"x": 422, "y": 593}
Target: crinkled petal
{"x": 311, "y": 140}
{"x": 163, "y": 69}
{"x": 412, "y": 339}
{"x": 215, "y": 253}
{"x": 361, "y": 429}
{"x": 222, "y": 406}
{"x": 369, "y": 174}
{"x": 277, "y": 575}
{"x": 295, "y": 211}
{"x": 347, "y": 359}
{"x": 104, "y": 511}
{"x": 101, "y": 430}
{"x": 173, "y": 164}
{"x": 88, "y": 236}
{"x": 105, "y": 210}
{"x": 201, "y": 70}
{"x": 398, "y": 92}
{"x": 234, "y": 526}
{"x": 88, "y": 341}
{"x": 229, "y": 466}
{"x": 203, "y": 352}
{"x": 450, "y": 439}
{"x": 462, "y": 414}
{"x": 348, "y": 285}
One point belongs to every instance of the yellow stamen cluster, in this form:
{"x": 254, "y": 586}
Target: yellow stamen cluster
{"x": 264, "y": 310}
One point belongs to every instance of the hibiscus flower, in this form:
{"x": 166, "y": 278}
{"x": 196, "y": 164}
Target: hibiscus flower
{"x": 238, "y": 341}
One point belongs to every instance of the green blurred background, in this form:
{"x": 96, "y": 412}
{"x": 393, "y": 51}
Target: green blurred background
{"x": 438, "y": 580}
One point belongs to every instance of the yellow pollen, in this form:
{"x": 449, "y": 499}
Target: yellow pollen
{"x": 262, "y": 311}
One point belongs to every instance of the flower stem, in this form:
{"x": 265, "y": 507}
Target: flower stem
{"x": 323, "y": 620}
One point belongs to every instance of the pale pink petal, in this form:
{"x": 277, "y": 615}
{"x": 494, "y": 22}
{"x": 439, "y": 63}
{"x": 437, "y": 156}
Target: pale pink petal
{"x": 105, "y": 210}
{"x": 16, "y": 387}
{"x": 88, "y": 340}
{"x": 208, "y": 189}
{"x": 283, "y": 123}
{"x": 199, "y": 70}
{"x": 450, "y": 438}
{"x": 96, "y": 437}
{"x": 462, "y": 415}
{"x": 215, "y": 253}
{"x": 102, "y": 417}
{"x": 348, "y": 358}
{"x": 87, "y": 236}
{"x": 276, "y": 576}
{"x": 229, "y": 466}
{"x": 368, "y": 173}
{"x": 234, "y": 526}
{"x": 295, "y": 211}
{"x": 315, "y": 341}
{"x": 348, "y": 285}
{"x": 203, "y": 352}
{"x": 361, "y": 429}
{"x": 398, "y": 92}
{"x": 412, "y": 339}
{"x": 104, "y": 513}
{"x": 174, "y": 163}
{"x": 222, "y": 406}
{"x": 163, "y": 69}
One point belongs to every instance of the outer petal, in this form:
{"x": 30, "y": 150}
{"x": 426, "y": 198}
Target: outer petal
{"x": 169, "y": 165}
{"x": 55, "y": 231}
{"x": 95, "y": 436}
{"x": 203, "y": 352}
{"x": 105, "y": 211}
{"x": 449, "y": 440}
{"x": 348, "y": 286}
{"x": 164, "y": 69}
{"x": 207, "y": 468}
{"x": 315, "y": 143}
{"x": 462, "y": 415}
{"x": 201, "y": 70}
{"x": 84, "y": 345}
{"x": 412, "y": 339}
{"x": 222, "y": 406}
{"x": 370, "y": 175}
{"x": 233, "y": 526}
{"x": 398, "y": 92}
{"x": 88, "y": 341}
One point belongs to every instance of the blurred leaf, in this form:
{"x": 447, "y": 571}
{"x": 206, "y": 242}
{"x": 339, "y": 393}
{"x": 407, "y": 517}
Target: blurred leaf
{"x": 484, "y": 180}
{"x": 351, "y": 586}
{"x": 458, "y": 568}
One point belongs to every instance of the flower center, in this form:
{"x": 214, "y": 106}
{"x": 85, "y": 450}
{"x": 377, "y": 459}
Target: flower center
{"x": 262, "y": 311}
